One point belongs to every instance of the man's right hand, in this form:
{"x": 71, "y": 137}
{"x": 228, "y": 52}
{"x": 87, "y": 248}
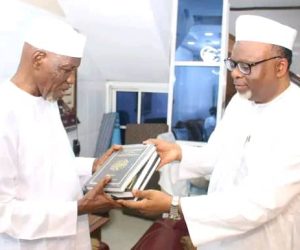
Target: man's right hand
{"x": 96, "y": 200}
{"x": 167, "y": 151}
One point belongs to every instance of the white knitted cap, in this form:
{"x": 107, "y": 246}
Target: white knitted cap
{"x": 55, "y": 35}
{"x": 261, "y": 29}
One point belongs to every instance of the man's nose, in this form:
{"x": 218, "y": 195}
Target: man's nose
{"x": 236, "y": 73}
{"x": 72, "y": 78}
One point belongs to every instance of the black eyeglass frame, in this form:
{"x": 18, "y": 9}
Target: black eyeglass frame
{"x": 250, "y": 65}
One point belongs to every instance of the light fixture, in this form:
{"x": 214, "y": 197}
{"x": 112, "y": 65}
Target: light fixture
{"x": 208, "y": 34}
{"x": 191, "y": 43}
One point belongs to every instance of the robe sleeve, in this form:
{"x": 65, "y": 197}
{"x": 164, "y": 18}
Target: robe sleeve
{"x": 191, "y": 168}
{"x": 261, "y": 197}
{"x": 84, "y": 165}
{"x": 199, "y": 161}
{"x": 268, "y": 194}
{"x": 29, "y": 219}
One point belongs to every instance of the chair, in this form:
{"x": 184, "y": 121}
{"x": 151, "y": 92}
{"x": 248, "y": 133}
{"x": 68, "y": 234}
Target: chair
{"x": 106, "y": 132}
{"x": 137, "y": 133}
{"x": 95, "y": 223}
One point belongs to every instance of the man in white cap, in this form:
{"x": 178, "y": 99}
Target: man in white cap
{"x": 41, "y": 201}
{"x": 253, "y": 156}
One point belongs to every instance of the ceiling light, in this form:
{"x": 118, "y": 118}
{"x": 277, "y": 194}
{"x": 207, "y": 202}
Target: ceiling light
{"x": 191, "y": 43}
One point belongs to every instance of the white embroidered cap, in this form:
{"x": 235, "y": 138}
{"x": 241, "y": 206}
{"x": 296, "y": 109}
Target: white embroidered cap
{"x": 261, "y": 29}
{"x": 55, "y": 35}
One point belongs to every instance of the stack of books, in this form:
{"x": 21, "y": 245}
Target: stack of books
{"x": 130, "y": 168}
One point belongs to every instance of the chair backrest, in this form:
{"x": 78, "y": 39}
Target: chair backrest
{"x": 137, "y": 133}
{"x": 105, "y": 132}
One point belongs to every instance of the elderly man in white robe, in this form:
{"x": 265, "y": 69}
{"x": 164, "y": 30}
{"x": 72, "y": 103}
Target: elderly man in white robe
{"x": 253, "y": 156}
{"x": 41, "y": 201}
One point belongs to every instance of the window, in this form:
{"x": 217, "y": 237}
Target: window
{"x": 138, "y": 102}
{"x": 197, "y": 71}
{"x": 193, "y": 100}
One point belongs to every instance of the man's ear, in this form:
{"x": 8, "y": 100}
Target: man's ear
{"x": 282, "y": 67}
{"x": 37, "y": 58}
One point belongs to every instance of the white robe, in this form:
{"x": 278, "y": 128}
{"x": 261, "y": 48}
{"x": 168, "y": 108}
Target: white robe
{"x": 39, "y": 180}
{"x": 253, "y": 201}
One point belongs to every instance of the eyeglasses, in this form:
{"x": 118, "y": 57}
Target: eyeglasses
{"x": 244, "y": 68}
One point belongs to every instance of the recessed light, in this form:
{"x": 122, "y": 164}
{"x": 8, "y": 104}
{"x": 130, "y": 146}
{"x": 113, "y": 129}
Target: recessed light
{"x": 191, "y": 43}
{"x": 208, "y": 34}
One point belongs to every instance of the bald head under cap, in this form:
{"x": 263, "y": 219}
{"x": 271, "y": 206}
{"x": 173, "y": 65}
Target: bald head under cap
{"x": 55, "y": 35}
{"x": 260, "y": 29}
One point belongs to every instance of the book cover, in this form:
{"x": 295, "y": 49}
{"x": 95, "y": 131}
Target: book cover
{"x": 122, "y": 166}
{"x": 145, "y": 172}
{"x": 140, "y": 180}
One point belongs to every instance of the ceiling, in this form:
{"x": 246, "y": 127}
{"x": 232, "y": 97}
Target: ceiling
{"x": 129, "y": 40}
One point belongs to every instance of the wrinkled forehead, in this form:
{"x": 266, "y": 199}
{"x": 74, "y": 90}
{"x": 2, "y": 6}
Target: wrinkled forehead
{"x": 66, "y": 61}
{"x": 249, "y": 50}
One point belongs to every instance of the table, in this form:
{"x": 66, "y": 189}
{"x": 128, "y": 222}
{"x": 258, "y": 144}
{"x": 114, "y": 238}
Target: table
{"x": 96, "y": 222}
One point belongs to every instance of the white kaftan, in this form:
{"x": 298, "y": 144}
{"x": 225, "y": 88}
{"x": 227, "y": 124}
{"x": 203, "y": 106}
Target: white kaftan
{"x": 253, "y": 201}
{"x": 39, "y": 180}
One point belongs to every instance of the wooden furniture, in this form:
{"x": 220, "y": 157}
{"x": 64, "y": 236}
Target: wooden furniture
{"x": 96, "y": 222}
{"x": 137, "y": 133}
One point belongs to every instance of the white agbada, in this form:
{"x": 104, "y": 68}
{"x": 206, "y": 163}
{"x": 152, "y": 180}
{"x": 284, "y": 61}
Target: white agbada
{"x": 39, "y": 181}
{"x": 253, "y": 200}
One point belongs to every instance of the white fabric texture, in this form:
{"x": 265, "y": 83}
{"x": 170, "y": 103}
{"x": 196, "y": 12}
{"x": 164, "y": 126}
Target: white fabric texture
{"x": 168, "y": 180}
{"x": 55, "y": 35}
{"x": 253, "y": 200}
{"x": 260, "y": 29}
{"x": 39, "y": 182}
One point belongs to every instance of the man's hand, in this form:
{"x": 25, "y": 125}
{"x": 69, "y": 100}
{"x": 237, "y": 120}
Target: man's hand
{"x": 96, "y": 201}
{"x": 153, "y": 202}
{"x": 167, "y": 151}
{"x": 99, "y": 161}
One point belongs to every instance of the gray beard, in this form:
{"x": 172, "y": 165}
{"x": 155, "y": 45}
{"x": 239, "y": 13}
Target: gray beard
{"x": 246, "y": 95}
{"x": 50, "y": 98}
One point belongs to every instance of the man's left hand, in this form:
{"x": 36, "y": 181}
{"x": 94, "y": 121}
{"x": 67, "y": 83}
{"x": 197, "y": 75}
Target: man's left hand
{"x": 153, "y": 202}
{"x": 99, "y": 161}
{"x": 96, "y": 200}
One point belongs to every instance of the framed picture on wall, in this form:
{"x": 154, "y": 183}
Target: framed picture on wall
{"x": 67, "y": 108}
